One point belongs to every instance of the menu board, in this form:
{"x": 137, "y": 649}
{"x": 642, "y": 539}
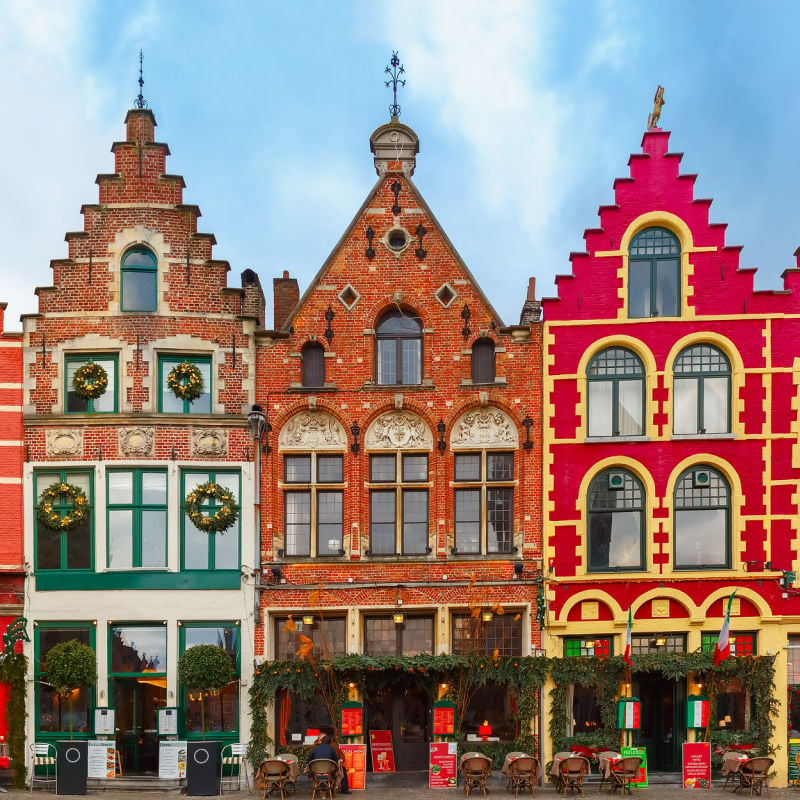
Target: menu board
{"x": 442, "y": 765}
{"x": 444, "y": 719}
{"x": 172, "y": 760}
{"x": 167, "y": 721}
{"x": 380, "y": 747}
{"x": 352, "y": 719}
{"x": 355, "y": 764}
{"x": 104, "y": 722}
{"x": 629, "y": 752}
{"x": 101, "y": 759}
{"x": 794, "y": 749}
{"x": 696, "y": 765}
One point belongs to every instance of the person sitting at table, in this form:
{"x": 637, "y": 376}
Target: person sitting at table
{"x": 344, "y": 786}
{"x": 324, "y": 749}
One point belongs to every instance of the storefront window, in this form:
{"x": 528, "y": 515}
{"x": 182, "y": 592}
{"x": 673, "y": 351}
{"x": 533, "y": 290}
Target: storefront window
{"x": 328, "y": 636}
{"x": 502, "y": 633}
{"x": 599, "y": 646}
{"x": 583, "y": 710}
{"x": 411, "y": 637}
{"x": 295, "y": 715}
{"x": 658, "y": 643}
{"x": 793, "y": 663}
{"x": 495, "y": 705}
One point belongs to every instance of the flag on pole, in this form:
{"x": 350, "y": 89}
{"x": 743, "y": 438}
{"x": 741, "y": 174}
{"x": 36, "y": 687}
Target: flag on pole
{"x": 722, "y": 650}
{"x": 628, "y": 639}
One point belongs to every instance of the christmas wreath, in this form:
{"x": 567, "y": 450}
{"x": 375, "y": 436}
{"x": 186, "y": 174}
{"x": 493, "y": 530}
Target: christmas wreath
{"x": 185, "y": 381}
{"x": 51, "y": 517}
{"x": 220, "y": 520}
{"x": 90, "y": 381}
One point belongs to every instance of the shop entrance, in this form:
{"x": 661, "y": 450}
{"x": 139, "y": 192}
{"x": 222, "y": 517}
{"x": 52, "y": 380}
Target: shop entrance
{"x": 137, "y": 701}
{"x": 663, "y": 721}
{"x": 403, "y": 710}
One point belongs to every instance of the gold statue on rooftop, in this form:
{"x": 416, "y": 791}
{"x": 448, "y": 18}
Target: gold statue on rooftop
{"x": 658, "y": 102}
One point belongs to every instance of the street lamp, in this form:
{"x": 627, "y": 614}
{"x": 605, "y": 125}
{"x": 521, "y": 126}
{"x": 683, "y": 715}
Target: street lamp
{"x": 259, "y": 427}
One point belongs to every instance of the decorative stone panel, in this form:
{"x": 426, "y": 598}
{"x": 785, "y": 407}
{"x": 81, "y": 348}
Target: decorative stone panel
{"x": 137, "y": 442}
{"x": 209, "y": 442}
{"x": 399, "y": 430}
{"x": 64, "y": 442}
{"x": 484, "y": 427}
{"x": 312, "y": 430}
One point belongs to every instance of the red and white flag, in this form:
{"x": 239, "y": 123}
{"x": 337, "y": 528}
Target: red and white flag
{"x": 627, "y": 656}
{"x": 722, "y": 650}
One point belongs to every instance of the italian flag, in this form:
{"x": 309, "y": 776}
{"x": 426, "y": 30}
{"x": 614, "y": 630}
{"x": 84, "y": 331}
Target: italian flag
{"x": 722, "y": 650}
{"x": 627, "y": 656}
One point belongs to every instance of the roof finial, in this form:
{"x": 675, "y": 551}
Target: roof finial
{"x": 658, "y": 101}
{"x": 140, "y": 102}
{"x": 394, "y": 109}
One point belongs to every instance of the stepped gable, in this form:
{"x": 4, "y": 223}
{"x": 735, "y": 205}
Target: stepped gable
{"x": 140, "y": 203}
{"x": 657, "y": 193}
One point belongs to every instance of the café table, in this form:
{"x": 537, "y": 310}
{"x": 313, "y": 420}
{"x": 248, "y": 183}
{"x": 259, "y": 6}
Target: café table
{"x": 731, "y": 763}
{"x": 512, "y": 756}
{"x": 559, "y": 757}
{"x": 294, "y": 765}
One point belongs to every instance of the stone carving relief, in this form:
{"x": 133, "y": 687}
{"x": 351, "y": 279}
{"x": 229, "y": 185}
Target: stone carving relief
{"x": 137, "y": 441}
{"x": 312, "y": 430}
{"x": 209, "y": 442}
{"x": 484, "y": 427}
{"x": 64, "y": 442}
{"x": 399, "y": 430}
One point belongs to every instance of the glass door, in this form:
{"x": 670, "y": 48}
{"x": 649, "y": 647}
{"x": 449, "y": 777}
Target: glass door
{"x": 663, "y": 718}
{"x": 137, "y": 701}
{"x": 410, "y": 729}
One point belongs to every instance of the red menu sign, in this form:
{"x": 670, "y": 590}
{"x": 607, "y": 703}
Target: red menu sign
{"x": 352, "y": 721}
{"x": 444, "y": 720}
{"x": 380, "y": 746}
{"x": 442, "y": 765}
{"x": 355, "y": 762}
{"x": 696, "y": 765}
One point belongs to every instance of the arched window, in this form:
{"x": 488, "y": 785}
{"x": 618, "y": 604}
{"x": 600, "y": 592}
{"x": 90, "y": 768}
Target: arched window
{"x": 483, "y": 365}
{"x": 399, "y": 349}
{"x": 139, "y": 279}
{"x": 654, "y": 274}
{"x": 615, "y": 378}
{"x": 313, "y": 365}
{"x": 616, "y": 522}
{"x": 702, "y": 520}
{"x": 702, "y": 391}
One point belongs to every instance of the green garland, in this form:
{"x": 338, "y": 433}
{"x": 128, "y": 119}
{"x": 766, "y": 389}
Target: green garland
{"x": 13, "y": 669}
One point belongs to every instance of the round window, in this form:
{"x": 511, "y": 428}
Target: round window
{"x": 397, "y": 239}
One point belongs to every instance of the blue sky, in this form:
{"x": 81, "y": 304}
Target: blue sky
{"x": 526, "y": 113}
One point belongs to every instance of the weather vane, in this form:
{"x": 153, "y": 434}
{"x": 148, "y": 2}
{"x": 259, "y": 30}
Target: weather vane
{"x": 396, "y": 71}
{"x": 658, "y": 101}
{"x": 140, "y": 102}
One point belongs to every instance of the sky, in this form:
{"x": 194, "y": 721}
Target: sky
{"x": 526, "y": 112}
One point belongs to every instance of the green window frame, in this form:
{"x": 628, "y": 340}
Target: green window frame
{"x": 222, "y": 707}
{"x": 107, "y": 403}
{"x": 702, "y": 520}
{"x": 64, "y": 550}
{"x": 168, "y": 403}
{"x": 136, "y": 513}
{"x": 616, "y": 393}
{"x": 210, "y": 551}
{"x": 588, "y": 646}
{"x": 654, "y": 260}
{"x": 139, "y": 280}
{"x": 51, "y": 722}
{"x": 702, "y": 391}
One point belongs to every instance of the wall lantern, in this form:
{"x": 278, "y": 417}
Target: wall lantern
{"x": 308, "y": 619}
{"x": 486, "y": 616}
{"x": 398, "y": 618}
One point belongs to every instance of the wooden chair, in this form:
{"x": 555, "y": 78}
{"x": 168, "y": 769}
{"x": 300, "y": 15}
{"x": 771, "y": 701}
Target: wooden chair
{"x": 45, "y": 761}
{"x": 476, "y": 770}
{"x": 571, "y": 772}
{"x": 754, "y": 775}
{"x": 274, "y": 774}
{"x": 523, "y": 774}
{"x": 323, "y": 773}
{"x": 624, "y": 774}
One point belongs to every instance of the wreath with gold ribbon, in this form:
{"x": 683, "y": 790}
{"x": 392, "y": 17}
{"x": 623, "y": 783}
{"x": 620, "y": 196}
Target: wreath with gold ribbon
{"x": 90, "y": 381}
{"x": 56, "y": 493}
{"x": 222, "y": 519}
{"x": 185, "y": 381}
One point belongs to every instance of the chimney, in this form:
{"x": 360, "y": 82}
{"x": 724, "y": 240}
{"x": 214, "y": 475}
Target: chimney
{"x": 253, "y": 305}
{"x": 286, "y": 294}
{"x": 532, "y": 308}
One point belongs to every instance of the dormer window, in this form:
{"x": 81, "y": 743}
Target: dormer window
{"x": 313, "y": 372}
{"x": 654, "y": 274}
{"x": 139, "y": 280}
{"x": 399, "y": 349}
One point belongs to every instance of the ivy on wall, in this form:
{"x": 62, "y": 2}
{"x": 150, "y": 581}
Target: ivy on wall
{"x": 12, "y": 671}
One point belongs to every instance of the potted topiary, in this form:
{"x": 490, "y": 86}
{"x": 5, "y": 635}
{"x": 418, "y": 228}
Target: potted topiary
{"x": 204, "y": 668}
{"x": 69, "y": 666}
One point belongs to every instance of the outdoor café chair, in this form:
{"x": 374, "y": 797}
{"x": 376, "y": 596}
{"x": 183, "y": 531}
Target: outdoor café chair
{"x": 323, "y": 773}
{"x": 475, "y": 770}
{"x": 523, "y": 773}
{"x": 232, "y": 761}
{"x": 45, "y": 767}
{"x": 275, "y": 775}
{"x": 754, "y": 774}
{"x": 624, "y": 774}
{"x": 571, "y": 772}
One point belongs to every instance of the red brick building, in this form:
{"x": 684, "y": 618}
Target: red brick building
{"x": 670, "y": 453}
{"x": 404, "y": 460}
{"x": 139, "y": 368}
